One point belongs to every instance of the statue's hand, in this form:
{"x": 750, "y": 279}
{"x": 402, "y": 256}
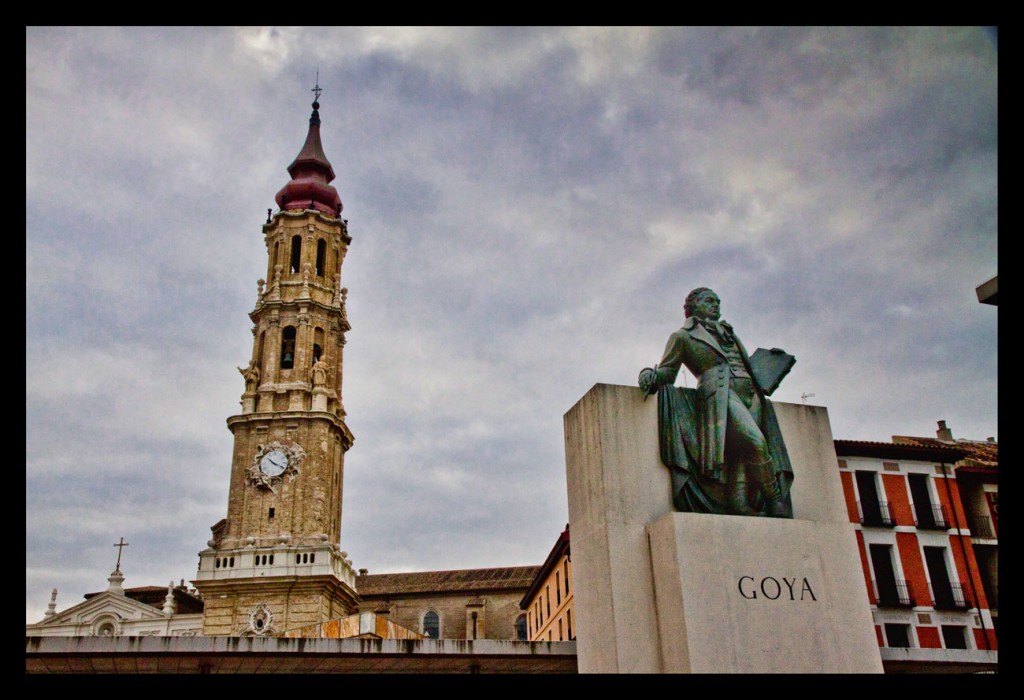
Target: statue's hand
{"x": 646, "y": 380}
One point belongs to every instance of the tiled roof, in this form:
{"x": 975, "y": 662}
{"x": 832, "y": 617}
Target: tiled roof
{"x": 943, "y": 453}
{"x": 155, "y": 595}
{"x": 504, "y": 578}
{"x": 978, "y": 453}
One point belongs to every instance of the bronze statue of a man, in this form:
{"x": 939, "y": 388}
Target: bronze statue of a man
{"x": 721, "y": 442}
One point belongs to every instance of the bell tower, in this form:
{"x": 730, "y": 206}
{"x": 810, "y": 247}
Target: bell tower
{"x": 275, "y": 563}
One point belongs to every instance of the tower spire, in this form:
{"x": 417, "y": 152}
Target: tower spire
{"x": 311, "y": 172}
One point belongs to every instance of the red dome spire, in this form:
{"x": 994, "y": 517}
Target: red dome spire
{"x": 311, "y": 172}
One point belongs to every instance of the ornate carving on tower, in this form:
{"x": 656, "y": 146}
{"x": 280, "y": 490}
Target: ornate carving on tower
{"x": 305, "y": 281}
{"x": 275, "y": 286}
{"x": 277, "y": 554}
{"x": 259, "y": 622}
{"x": 343, "y": 306}
{"x": 318, "y": 378}
{"x": 251, "y": 375}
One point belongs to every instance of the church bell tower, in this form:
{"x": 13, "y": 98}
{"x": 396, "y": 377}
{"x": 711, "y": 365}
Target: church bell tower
{"x": 274, "y": 563}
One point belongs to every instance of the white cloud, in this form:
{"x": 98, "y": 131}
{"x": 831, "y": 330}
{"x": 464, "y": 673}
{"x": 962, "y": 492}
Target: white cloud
{"x": 270, "y": 46}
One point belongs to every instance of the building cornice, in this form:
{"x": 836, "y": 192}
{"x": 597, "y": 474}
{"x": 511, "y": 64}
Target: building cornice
{"x": 267, "y": 417}
{"x": 888, "y": 450}
{"x": 561, "y": 548}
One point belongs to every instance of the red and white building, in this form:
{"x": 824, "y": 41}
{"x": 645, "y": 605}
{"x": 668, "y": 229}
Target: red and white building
{"x": 927, "y": 530}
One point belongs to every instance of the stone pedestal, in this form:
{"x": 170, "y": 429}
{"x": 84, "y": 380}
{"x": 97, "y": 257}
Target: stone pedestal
{"x": 617, "y": 486}
{"x": 249, "y": 402}
{"x": 319, "y": 399}
{"x": 757, "y": 595}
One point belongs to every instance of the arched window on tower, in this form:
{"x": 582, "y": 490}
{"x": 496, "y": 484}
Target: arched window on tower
{"x": 274, "y": 260}
{"x": 296, "y": 254}
{"x": 321, "y": 257}
{"x": 288, "y": 347}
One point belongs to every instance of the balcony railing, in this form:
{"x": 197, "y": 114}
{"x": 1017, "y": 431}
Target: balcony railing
{"x": 880, "y": 518}
{"x": 931, "y": 517}
{"x": 955, "y": 597}
{"x": 894, "y": 594}
{"x": 981, "y": 526}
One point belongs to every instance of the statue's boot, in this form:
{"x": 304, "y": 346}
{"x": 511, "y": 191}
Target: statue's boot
{"x": 775, "y": 505}
{"x": 738, "y": 502}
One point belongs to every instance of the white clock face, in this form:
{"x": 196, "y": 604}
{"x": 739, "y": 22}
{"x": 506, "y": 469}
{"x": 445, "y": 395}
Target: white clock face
{"x": 274, "y": 463}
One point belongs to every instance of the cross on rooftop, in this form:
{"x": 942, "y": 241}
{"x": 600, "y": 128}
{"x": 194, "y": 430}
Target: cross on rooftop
{"x": 317, "y": 89}
{"x": 120, "y": 548}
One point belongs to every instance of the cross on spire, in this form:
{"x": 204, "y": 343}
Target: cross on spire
{"x": 317, "y": 89}
{"x": 120, "y": 548}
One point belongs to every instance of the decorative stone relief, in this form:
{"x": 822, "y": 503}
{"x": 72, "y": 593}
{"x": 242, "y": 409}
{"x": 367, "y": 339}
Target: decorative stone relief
{"x": 260, "y": 621}
{"x": 107, "y": 625}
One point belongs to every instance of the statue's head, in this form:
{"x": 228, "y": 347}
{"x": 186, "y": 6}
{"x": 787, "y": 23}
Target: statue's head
{"x": 702, "y": 302}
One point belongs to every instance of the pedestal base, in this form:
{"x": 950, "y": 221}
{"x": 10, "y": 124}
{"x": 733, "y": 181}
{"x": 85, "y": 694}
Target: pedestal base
{"x": 760, "y": 595}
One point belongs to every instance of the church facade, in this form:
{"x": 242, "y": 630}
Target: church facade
{"x": 460, "y": 604}
{"x": 174, "y": 611}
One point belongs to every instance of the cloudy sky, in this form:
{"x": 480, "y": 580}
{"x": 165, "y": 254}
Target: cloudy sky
{"x": 528, "y": 208}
